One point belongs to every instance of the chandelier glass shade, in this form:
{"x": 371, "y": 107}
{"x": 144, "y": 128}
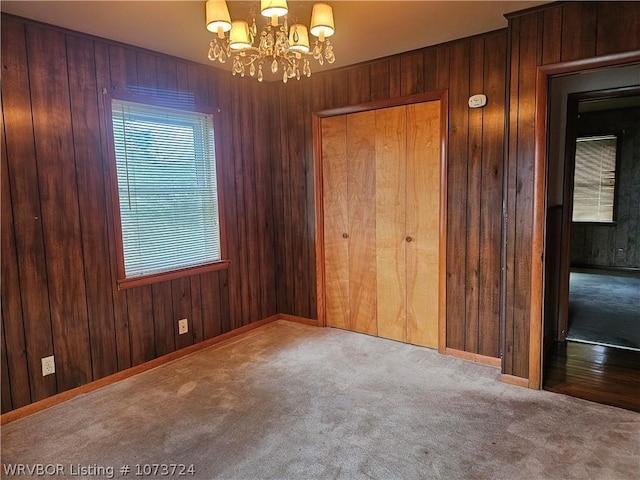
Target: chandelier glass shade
{"x": 281, "y": 47}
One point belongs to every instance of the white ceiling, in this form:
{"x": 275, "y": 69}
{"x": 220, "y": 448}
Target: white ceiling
{"x": 364, "y": 29}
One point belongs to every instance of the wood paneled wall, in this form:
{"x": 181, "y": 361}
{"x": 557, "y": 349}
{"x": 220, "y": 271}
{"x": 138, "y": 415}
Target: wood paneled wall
{"x": 59, "y": 295}
{"x": 565, "y": 32}
{"x": 616, "y": 245}
{"x": 475, "y": 175}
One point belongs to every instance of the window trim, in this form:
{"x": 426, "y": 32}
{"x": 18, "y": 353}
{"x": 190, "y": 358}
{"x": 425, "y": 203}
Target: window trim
{"x": 616, "y": 186}
{"x": 112, "y": 179}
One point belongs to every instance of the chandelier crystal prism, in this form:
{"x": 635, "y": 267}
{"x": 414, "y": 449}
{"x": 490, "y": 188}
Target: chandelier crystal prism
{"x": 281, "y": 47}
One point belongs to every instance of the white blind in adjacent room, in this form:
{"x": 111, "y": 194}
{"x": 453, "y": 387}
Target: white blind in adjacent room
{"x": 166, "y": 170}
{"x": 594, "y": 179}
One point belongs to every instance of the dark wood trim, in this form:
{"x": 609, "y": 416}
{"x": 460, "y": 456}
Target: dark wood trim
{"x": 543, "y": 75}
{"x": 386, "y": 103}
{"x": 319, "y": 218}
{"x": 513, "y": 380}
{"x": 297, "y": 319}
{"x": 442, "y": 260}
{"x": 173, "y": 275}
{"x": 473, "y": 357}
{"x": 169, "y": 102}
{"x": 130, "y": 372}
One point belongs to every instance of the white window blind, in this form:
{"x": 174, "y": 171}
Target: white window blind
{"x": 166, "y": 170}
{"x": 594, "y": 179}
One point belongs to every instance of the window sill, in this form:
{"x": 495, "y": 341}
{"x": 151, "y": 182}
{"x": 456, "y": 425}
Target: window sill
{"x": 126, "y": 283}
{"x": 596, "y": 224}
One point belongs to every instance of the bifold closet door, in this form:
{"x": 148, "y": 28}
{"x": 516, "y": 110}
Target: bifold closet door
{"x": 381, "y": 197}
{"x": 423, "y": 222}
{"x": 349, "y": 180}
{"x": 390, "y": 206}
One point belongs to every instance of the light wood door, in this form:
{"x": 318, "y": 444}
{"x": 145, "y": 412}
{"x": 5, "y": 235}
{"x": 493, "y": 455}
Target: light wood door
{"x": 381, "y": 197}
{"x": 391, "y": 178}
{"x": 423, "y": 222}
{"x": 349, "y": 221}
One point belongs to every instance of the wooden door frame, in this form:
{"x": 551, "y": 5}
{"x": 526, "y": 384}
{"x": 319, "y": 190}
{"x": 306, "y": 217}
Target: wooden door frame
{"x": 442, "y": 96}
{"x": 543, "y": 76}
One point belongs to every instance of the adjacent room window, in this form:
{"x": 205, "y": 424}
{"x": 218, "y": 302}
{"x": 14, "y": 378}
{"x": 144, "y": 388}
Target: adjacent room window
{"x": 595, "y": 179}
{"x": 167, "y": 189}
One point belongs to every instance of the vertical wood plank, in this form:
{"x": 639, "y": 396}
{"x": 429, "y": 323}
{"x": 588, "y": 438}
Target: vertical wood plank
{"x": 25, "y": 202}
{"x": 14, "y": 362}
{"x": 5, "y": 386}
{"x": 300, "y": 251}
{"x": 430, "y": 74}
{"x": 243, "y": 268}
{"x": 59, "y": 203}
{"x": 164, "y": 321}
{"x": 390, "y": 220}
{"x": 495, "y": 65}
{"x": 552, "y": 35}
{"x": 277, "y": 154}
{"x": 225, "y": 155}
{"x": 287, "y": 262}
{"x": 524, "y": 184}
{"x": 336, "y": 221}
{"x": 107, "y": 68}
{"x": 618, "y": 27}
{"x": 457, "y": 195}
{"x": 511, "y": 185}
{"x": 395, "y": 77}
{"x": 181, "y": 294}
{"x": 578, "y": 30}
{"x": 310, "y": 203}
{"x": 359, "y": 84}
{"x": 380, "y": 80}
{"x": 211, "y": 320}
{"x": 423, "y": 222}
{"x": 249, "y": 167}
{"x": 141, "y": 325}
{"x": 474, "y": 205}
{"x": 361, "y": 197}
{"x": 197, "y": 332}
{"x": 412, "y": 73}
{"x": 91, "y": 202}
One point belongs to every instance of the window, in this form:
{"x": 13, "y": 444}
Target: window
{"x": 594, "y": 179}
{"x": 167, "y": 192}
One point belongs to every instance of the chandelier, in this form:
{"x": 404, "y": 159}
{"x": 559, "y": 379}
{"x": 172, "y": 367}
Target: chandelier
{"x": 286, "y": 48}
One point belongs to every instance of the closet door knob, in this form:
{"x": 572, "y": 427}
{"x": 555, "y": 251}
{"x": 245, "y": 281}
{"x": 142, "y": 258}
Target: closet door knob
{"x": 409, "y": 239}
{"x": 345, "y": 235}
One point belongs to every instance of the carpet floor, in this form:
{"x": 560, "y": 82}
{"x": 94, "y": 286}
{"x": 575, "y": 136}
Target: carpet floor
{"x": 604, "y": 308}
{"x": 289, "y": 401}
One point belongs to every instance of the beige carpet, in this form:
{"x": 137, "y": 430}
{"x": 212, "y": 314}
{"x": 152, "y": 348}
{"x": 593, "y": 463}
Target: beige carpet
{"x": 288, "y": 401}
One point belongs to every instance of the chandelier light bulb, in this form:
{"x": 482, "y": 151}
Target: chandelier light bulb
{"x": 217, "y": 15}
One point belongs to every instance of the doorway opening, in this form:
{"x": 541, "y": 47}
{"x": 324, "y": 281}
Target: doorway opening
{"x": 591, "y": 335}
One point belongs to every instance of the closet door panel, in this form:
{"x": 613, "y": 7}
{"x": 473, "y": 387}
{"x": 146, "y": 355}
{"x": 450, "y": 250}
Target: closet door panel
{"x": 336, "y": 221}
{"x": 422, "y": 222}
{"x": 390, "y": 135}
{"x": 362, "y": 221}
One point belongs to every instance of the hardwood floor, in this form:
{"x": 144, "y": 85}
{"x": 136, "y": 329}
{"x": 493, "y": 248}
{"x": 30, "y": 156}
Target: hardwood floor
{"x": 593, "y": 372}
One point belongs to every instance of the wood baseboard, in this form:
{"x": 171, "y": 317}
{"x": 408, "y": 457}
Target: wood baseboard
{"x": 513, "y": 380}
{"x": 474, "y": 357}
{"x": 130, "y": 372}
{"x": 295, "y": 319}
{"x": 156, "y": 362}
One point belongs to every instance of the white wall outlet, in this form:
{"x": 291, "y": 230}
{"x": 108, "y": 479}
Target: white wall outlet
{"x": 48, "y": 366}
{"x": 183, "y": 326}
